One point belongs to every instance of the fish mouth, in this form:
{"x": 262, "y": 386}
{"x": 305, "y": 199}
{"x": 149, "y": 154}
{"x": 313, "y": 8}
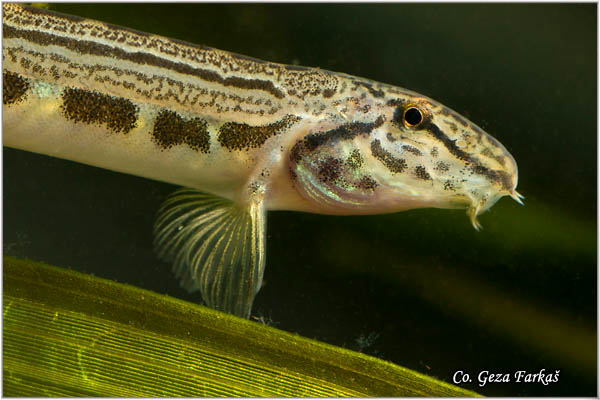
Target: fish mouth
{"x": 474, "y": 210}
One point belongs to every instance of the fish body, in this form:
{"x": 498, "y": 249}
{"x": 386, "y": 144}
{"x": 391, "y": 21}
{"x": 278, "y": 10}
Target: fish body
{"x": 243, "y": 135}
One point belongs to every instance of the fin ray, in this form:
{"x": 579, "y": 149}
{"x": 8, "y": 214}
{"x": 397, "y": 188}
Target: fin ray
{"x": 216, "y": 246}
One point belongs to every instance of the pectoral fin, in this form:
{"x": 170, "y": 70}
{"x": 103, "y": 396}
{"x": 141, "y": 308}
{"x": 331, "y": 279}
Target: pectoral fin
{"x": 216, "y": 246}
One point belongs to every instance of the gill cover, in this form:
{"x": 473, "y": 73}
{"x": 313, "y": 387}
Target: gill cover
{"x": 328, "y": 166}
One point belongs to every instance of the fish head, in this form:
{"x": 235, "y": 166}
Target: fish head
{"x": 402, "y": 152}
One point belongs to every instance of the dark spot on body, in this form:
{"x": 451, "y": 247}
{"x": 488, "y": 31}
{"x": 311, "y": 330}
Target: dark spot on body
{"x": 395, "y": 165}
{"x": 366, "y": 182}
{"x": 364, "y": 109}
{"x": 422, "y": 173}
{"x": 449, "y": 185}
{"x": 434, "y": 152}
{"x": 37, "y": 69}
{"x": 329, "y": 169}
{"x": 355, "y": 160}
{"x": 171, "y": 129}
{"x": 412, "y": 150}
{"x": 253, "y": 187}
{"x": 14, "y": 88}
{"x": 328, "y": 93}
{"x": 390, "y": 137}
{"x": 90, "y": 107}
{"x": 240, "y": 136}
{"x": 25, "y": 63}
{"x": 55, "y": 72}
{"x": 12, "y": 55}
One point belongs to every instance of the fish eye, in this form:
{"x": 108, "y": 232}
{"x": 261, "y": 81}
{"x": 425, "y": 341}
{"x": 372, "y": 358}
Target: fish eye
{"x": 412, "y": 117}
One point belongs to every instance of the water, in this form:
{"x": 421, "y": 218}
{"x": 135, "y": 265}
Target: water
{"x": 420, "y": 288}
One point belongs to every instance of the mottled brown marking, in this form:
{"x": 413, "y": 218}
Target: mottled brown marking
{"x": 38, "y": 69}
{"x": 90, "y": 107}
{"x": 449, "y": 185}
{"x": 366, "y": 182}
{"x": 477, "y": 130}
{"x": 364, "y": 109}
{"x": 434, "y": 152}
{"x": 390, "y": 137}
{"x": 310, "y": 82}
{"x": 395, "y": 165}
{"x": 14, "y": 88}
{"x": 412, "y": 150}
{"x": 85, "y": 47}
{"x": 448, "y": 143}
{"x": 460, "y": 119}
{"x": 11, "y": 54}
{"x": 487, "y": 152}
{"x": 441, "y": 166}
{"x": 355, "y": 160}
{"x": 170, "y": 129}
{"x": 421, "y": 173}
{"x": 240, "y": 136}
{"x": 369, "y": 86}
{"x": 55, "y": 72}
{"x": 344, "y": 132}
{"x": 498, "y": 177}
{"x": 400, "y": 105}
{"x": 397, "y": 102}
{"x": 329, "y": 169}
{"x": 25, "y": 63}
{"x": 500, "y": 159}
{"x": 327, "y": 93}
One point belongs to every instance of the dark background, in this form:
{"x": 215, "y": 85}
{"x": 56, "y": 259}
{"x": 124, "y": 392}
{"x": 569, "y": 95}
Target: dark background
{"x": 421, "y": 288}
